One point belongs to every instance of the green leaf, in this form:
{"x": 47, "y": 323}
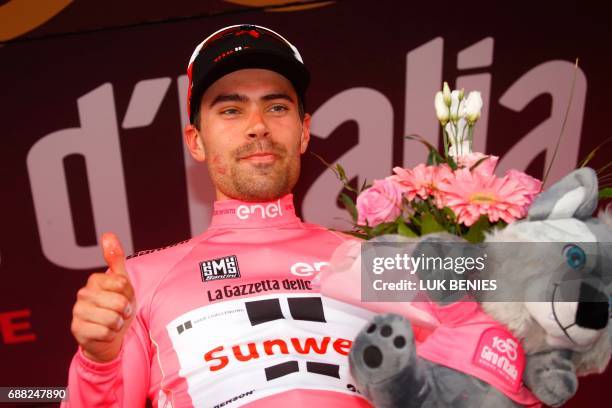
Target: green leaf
{"x": 363, "y": 186}
{"x": 430, "y": 159}
{"x": 479, "y": 162}
{"x": 366, "y": 229}
{"x": 403, "y": 229}
{"x": 605, "y": 193}
{"x": 415, "y": 220}
{"x": 384, "y": 228}
{"x": 450, "y": 214}
{"x": 429, "y": 224}
{"x": 476, "y": 232}
{"x": 322, "y": 160}
{"x": 338, "y": 171}
{"x": 436, "y": 156}
{"x": 356, "y": 234}
{"x": 451, "y": 163}
{"x": 349, "y": 205}
{"x": 341, "y": 172}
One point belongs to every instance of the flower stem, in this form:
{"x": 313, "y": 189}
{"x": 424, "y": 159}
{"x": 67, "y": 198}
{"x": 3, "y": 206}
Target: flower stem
{"x": 569, "y": 105}
{"x": 599, "y": 171}
{"x": 445, "y": 137}
{"x": 471, "y": 135}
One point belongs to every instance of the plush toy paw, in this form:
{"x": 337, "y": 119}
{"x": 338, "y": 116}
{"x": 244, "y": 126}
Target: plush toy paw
{"x": 384, "y": 363}
{"x": 384, "y": 346}
{"x": 551, "y": 377}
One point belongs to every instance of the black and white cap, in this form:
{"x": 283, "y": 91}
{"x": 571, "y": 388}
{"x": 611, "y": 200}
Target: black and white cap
{"x": 242, "y": 46}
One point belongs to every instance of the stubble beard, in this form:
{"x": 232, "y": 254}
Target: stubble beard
{"x": 254, "y": 182}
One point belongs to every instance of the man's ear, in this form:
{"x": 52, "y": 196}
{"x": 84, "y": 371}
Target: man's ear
{"x": 194, "y": 143}
{"x": 305, "y": 138}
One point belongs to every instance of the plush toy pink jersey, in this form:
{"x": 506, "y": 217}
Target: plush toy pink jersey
{"x": 470, "y": 341}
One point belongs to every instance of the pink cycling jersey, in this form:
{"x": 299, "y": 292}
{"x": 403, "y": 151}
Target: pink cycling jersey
{"x": 231, "y": 318}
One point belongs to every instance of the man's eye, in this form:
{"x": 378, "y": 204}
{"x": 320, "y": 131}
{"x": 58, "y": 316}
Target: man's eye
{"x": 230, "y": 111}
{"x": 278, "y": 108}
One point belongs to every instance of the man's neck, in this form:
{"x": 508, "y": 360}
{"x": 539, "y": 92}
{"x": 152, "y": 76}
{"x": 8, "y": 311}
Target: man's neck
{"x": 221, "y": 196}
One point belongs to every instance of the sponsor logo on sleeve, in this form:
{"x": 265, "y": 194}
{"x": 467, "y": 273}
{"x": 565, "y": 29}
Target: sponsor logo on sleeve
{"x": 308, "y": 269}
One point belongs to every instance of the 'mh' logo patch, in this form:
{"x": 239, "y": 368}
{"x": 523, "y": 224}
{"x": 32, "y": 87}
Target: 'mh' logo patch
{"x": 220, "y": 268}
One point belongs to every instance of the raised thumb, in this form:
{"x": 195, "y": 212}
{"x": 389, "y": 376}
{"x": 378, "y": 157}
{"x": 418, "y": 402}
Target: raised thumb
{"x": 113, "y": 253}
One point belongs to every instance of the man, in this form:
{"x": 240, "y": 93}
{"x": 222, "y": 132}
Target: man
{"x": 230, "y": 317}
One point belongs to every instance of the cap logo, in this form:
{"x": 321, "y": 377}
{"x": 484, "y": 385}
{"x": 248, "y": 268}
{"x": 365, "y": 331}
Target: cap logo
{"x": 230, "y": 52}
{"x": 252, "y": 33}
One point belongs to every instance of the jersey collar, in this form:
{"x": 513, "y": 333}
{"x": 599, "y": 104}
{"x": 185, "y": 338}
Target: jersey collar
{"x": 242, "y": 214}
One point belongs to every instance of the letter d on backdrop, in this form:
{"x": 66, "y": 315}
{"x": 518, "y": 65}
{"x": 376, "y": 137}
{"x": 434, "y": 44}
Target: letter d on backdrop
{"x": 98, "y": 141}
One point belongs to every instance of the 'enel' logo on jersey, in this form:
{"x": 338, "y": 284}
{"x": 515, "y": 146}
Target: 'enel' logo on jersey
{"x": 221, "y": 268}
{"x": 271, "y": 210}
{"x": 307, "y": 269}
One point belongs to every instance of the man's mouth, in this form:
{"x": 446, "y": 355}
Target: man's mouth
{"x": 260, "y": 157}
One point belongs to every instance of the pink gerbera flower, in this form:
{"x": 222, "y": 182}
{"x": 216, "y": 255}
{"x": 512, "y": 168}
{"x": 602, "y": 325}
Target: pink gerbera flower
{"x": 486, "y": 163}
{"x": 471, "y": 195}
{"x": 421, "y": 181}
{"x": 531, "y": 184}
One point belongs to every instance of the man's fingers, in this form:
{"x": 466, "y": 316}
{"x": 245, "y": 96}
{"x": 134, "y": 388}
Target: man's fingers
{"x": 111, "y": 282}
{"x": 119, "y": 284}
{"x": 86, "y": 332}
{"x": 114, "y": 301}
{"x": 113, "y": 253}
{"x": 89, "y": 313}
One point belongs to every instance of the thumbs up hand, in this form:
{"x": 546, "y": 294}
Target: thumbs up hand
{"x": 105, "y": 306}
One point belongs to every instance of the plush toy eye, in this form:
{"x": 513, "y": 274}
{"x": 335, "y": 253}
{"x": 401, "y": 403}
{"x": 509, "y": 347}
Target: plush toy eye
{"x": 574, "y": 256}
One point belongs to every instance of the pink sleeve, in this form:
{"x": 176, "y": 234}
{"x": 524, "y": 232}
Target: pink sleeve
{"x": 342, "y": 281}
{"x": 122, "y": 382}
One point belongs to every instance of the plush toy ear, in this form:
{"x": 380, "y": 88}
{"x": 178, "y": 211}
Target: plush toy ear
{"x": 574, "y": 196}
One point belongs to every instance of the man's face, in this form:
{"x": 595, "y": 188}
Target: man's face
{"x": 251, "y": 135}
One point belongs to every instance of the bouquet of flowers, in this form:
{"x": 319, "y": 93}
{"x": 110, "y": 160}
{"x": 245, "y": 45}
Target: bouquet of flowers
{"x": 456, "y": 191}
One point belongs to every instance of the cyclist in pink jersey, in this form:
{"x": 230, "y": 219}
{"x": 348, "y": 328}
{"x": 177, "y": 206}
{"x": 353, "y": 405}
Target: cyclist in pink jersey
{"x": 230, "y": 317}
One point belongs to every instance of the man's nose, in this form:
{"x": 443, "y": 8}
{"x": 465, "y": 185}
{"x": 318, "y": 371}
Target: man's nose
{"x": 257, "y": 125}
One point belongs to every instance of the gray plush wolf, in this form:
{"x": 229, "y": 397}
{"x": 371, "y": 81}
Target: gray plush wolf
{"x": 528, "y": 351}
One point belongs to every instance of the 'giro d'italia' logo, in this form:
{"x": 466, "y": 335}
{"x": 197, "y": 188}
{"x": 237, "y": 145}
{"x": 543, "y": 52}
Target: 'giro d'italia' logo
{"x": 220, "y": 268}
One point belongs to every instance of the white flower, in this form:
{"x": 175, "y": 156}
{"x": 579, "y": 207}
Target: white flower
{"x": 447, "y": 94}
{"x": 457, "y": 136}
{"x": 456, "y": 107}
{"x": 473, "y": 105}
{"x": 460, "y": 150}
{"x": 462, "y": 110}
{"x": 442, "y": 111}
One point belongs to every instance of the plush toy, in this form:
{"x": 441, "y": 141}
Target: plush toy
{"x": 488, "y": 352}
